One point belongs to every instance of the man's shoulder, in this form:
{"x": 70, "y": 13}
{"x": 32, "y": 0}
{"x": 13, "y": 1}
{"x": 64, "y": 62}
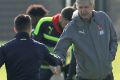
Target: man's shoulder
{"x": 38, "y": 44}
{"x": 10, "y": 42}
{"x": 72, "y": 24}
{"x": 101, "y": 14}
{"x": 45, "y": 19}
{"x": 69, "y": 27}
{"x": 44, "y": 22}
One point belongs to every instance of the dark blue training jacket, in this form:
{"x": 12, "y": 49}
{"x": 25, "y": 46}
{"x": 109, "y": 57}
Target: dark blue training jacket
{"x": 23, "y": 56}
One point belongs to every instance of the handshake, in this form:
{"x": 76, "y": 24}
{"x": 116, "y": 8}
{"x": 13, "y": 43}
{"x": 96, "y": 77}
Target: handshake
{"x": 56, "y": 69}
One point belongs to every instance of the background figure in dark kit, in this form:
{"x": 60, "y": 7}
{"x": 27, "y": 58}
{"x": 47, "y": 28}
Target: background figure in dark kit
{"x": 48, "y": 31}
{"x": 36, "y": 12}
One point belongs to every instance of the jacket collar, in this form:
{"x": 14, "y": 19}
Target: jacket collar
{"x": 56, "y": 24}
{"x": 22, "y": 35}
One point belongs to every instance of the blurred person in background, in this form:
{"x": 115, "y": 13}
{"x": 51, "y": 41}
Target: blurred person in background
{"x": 36, "y": 12}
{"x": 48, "y": 31}
{"x": 94, "y": 39}
{"x": 22, "y": 55}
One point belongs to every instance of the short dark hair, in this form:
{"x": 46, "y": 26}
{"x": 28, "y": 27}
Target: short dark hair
{"x": 22, "y": 22}
{"x": 67, "y": 13}
{"x": 36, "y": 10}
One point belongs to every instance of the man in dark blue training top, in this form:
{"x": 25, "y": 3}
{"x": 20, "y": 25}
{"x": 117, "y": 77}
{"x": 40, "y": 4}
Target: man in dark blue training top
{"x": 22, "y": 55}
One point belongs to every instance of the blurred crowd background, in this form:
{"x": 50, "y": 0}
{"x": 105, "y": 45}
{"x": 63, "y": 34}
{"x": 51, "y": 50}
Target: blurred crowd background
{"x": 10, "y": 8}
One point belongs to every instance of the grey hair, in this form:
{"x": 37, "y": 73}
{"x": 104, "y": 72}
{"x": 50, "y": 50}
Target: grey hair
{"x": 91, "y": 1}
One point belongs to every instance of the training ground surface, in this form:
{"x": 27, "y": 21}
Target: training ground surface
{"x": 116, "y": 67}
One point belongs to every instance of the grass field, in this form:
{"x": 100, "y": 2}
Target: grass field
{"x": 116, "y": 67}
{"x": 116, "y": 64}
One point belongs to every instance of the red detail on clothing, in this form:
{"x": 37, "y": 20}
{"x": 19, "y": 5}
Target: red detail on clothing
{"x": 99, "y": 27}
{"x": 55, "y": 21}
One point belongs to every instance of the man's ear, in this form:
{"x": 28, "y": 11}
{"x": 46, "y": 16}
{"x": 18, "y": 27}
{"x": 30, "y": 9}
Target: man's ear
{"x": 15, "y": 30}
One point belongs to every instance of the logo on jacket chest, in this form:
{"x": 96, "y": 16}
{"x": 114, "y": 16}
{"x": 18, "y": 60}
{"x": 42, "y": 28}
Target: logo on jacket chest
{"x": 50, "y": 29}
{"x": 82, "y": 31}
{"x": 101, "y": 31}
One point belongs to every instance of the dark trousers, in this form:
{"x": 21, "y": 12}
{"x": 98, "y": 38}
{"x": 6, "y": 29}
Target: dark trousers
{"x": 65, "y": 71}
{"x": 109, "y": 77}
{"x": 45, "y": 74}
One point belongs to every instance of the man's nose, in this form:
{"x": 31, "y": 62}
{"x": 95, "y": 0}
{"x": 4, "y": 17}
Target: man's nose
{"x": 83, "y": 10}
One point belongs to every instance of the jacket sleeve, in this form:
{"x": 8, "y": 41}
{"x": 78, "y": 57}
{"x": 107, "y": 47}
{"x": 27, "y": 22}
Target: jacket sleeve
{"x": 63, "y": 44}
{"x": 51, "y": 59}
{"x": 113, "y": 39}
{"x": 2, "y": 59}
{"x": 113, "y": 42}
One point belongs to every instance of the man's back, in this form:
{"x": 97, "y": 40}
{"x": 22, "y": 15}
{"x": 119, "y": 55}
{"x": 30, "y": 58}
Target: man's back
{"x": 22, "y": 60}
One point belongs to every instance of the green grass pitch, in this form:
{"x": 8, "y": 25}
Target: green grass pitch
{"x": 116, "y": 67}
